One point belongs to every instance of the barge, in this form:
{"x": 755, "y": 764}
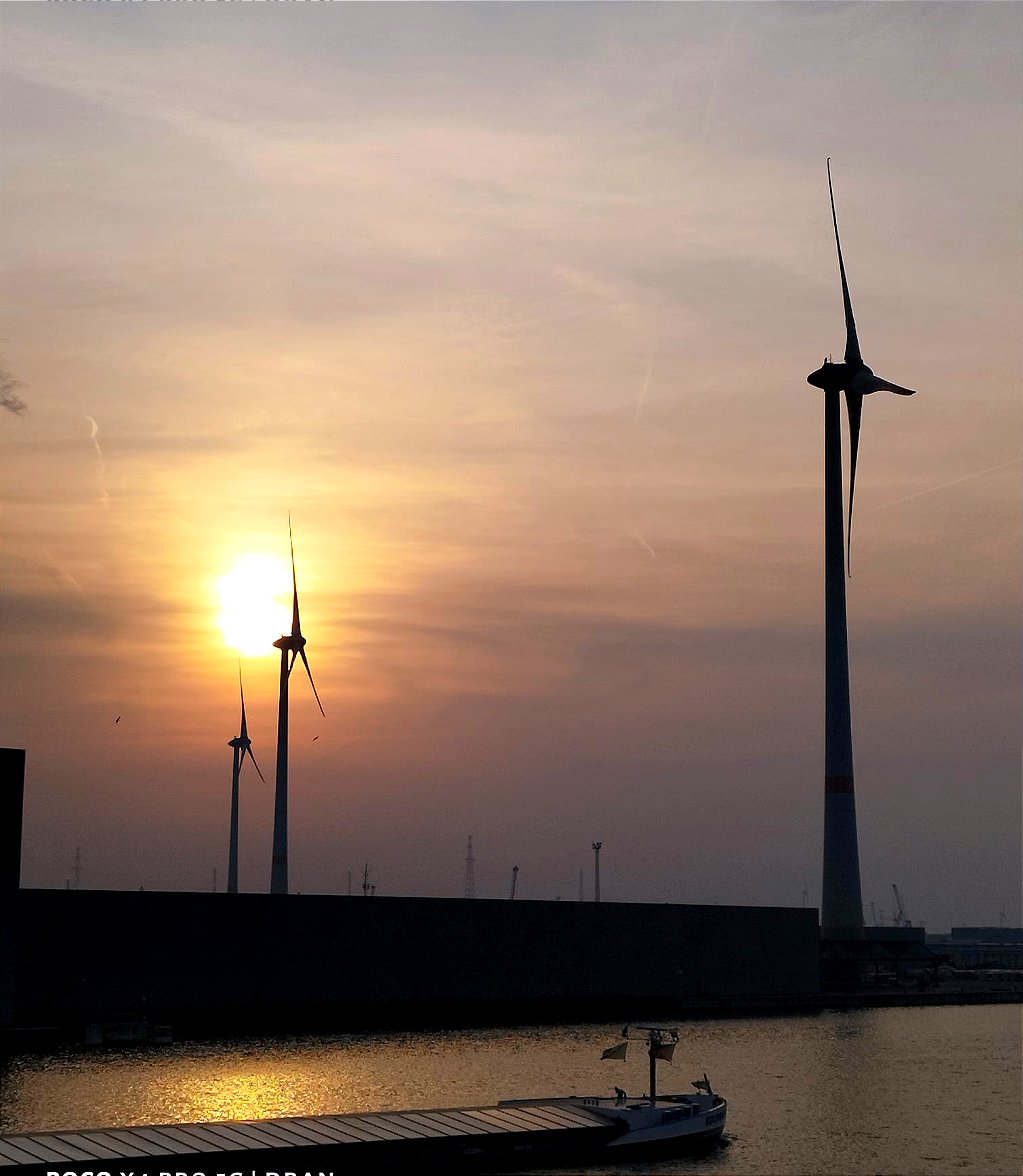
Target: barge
{"x": 513, "y": 1134}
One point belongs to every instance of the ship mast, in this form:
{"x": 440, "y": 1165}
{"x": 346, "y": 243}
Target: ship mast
{"x": 660, "y": 1044}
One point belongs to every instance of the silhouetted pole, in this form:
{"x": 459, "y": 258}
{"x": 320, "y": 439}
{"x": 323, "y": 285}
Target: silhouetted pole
{"x": 470, "y": 872}
{"x": 841, "y": 901}
{"x": 596, "y": 870}
{"x": 279, "y": 863}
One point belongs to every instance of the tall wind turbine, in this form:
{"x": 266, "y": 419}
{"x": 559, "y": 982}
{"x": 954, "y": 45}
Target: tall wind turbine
{"x": 242, "y": 745}
{"x": 841, "y": 901}
{"x": 293, "y": 643}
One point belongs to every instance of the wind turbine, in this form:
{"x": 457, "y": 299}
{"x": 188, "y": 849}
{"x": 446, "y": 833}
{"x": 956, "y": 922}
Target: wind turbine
{"x": 293, "y": 643}
{"x": 242, "y": 745}
{"x": 841, "y": 902}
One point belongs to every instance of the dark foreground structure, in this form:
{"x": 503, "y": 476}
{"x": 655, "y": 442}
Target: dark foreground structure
{"x": 254, "y": 963}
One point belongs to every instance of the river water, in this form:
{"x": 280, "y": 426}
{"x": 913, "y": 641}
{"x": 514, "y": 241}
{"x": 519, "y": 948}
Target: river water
{"x": 896, "y": 1091}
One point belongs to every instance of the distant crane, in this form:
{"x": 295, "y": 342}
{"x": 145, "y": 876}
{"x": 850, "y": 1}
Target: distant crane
{"x": 470, "y": 872}
{"x": 596, "y": 870}
{"x": 515, "y": 878}
{"x": 899, "y": 918}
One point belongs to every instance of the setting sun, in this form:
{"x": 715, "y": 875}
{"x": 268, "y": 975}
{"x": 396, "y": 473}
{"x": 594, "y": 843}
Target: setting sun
{"x": 254, "y": 603}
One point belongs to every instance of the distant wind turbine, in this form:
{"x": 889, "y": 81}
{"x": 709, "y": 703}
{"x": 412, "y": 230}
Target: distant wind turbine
{"x": 841, "y": 902}
{"x": 293, "y": 643}
{"x": 242, "y": 745}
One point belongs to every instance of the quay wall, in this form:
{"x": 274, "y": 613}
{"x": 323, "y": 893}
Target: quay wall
{"x": 254, "y": 962}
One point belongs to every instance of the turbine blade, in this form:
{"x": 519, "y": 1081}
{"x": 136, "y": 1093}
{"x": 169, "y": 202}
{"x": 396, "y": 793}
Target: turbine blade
{"x": 863, "y": 383}
{"x": 248, "y": 752}
{"x": 305, "y": 662}
{"x": 852, "y": 344}
{"x": 245, "y": 729}
{"x": 854, "y": 404}
{"x": 296, "y": 625}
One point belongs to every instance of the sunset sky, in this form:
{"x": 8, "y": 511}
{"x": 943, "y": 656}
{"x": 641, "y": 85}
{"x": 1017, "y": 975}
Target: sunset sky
{"x": 512, "y": 307}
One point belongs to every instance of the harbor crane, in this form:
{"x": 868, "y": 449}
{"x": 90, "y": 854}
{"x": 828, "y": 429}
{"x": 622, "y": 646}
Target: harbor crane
{"x": 900, "y": 919}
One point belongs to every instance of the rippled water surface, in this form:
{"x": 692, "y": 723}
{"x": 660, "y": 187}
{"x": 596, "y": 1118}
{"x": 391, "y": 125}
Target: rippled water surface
{"x": 894, "y": 1091}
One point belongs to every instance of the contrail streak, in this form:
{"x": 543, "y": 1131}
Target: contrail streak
{"x": 641, "y": 398}
{"x": 641, "y": 540}
{"x": 93, "y": 435}
{"x": 944, "y": 485}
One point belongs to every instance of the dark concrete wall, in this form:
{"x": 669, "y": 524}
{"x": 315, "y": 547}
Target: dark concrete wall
{"x": 12, "y": 796}
{"x": 256, "y": 960}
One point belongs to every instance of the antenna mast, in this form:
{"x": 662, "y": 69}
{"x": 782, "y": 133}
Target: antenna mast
{"x": 596, "y": 870}
{"x": 470, "y": 874}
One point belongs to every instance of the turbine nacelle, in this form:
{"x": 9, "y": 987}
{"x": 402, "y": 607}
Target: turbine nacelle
{"x": 831, "y": 377}
{"x": 293, "y": 642}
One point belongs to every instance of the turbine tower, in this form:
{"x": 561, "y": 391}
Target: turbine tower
{"x": 293, "y": 643}
{"x": 841, "y": 902}
{"x": 242, "y": 745}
